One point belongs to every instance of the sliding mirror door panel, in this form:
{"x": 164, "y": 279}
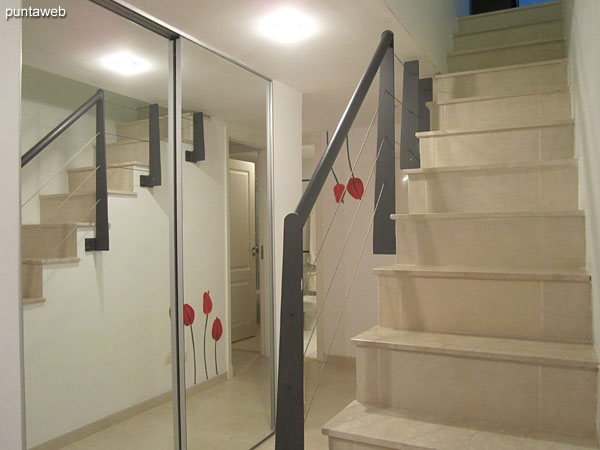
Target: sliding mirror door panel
{"x": 226, "y": 227}
{"x": 95, "y": 233}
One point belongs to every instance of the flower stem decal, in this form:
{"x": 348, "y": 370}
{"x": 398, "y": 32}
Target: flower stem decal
{"x": 339, "y": 190}
{"x": 206, "y": 308}
{"x": 217, "y": 332}
{"x": 355, "y": 185}
{"x": 188, "y": 319}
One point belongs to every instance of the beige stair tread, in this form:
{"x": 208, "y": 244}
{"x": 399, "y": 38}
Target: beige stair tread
{"x": 90, "y": 194}
{"x": 109, "y": 166}
{"x": 50, "y": 260}
{"x": 505, "y": 27}
{"x": 552, "y": 163}
{"x": 385, "y": 428}
{"x": 437, "y": 133}
{"x": 488, "y": 215}
{"x": 515, "y": 350}
{"x": 33, "y": 301}
{"x": 500, "y": 68}
{"x": 496, "y": 97}
{"x": 503, "y": 47}
{"x": 55, "y": 225}
{"x": 477, "y": 273}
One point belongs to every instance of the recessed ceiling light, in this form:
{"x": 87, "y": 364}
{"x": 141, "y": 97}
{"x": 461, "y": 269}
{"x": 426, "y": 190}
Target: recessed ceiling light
{"x": 125, "y": 63}
{"x": 287, "y": 25}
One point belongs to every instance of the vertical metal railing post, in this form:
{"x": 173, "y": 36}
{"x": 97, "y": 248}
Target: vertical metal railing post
{"x": 384, "y": 228}
{"x": 290, "y": 383}
{"x": 409, "y": 144}
{"x": 100, "y": 242}
{"x": 154, "y": 177}
{"x": 198, "y": 152}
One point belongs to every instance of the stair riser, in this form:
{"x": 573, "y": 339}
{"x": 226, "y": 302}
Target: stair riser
{"x": 118, "y": 179}
{"x": 504, "y": 393}
{"x": 498, "y": 147}
{"x": 546, "y": 310}
{"x": 529, "y": 53}
{"x": 31, "y": 281}
{"x": 76, "y": 209}
{"x": 516, "y": 111}
{"x": 49, "y": 242}
{"x": 552, "y": 188}
{"x": 508, "y": 36}
{"x": 507, "y": 243}
{"x": 501, "y": 82}
{"x": 136, "y": 131}
{"x": 126, "y": 153}
{"x": 509, "y": 18}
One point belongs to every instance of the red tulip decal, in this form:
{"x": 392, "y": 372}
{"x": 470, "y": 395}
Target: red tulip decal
{"x": 188, "y": 315}
{"x": 217, "y": 332}
{"x": 339, "y": 190}
{"x": 355, "y": 185}
{"x": 188, "y": 319}
{"x": 207, "y": 303}
{"x": 356, "y": 188}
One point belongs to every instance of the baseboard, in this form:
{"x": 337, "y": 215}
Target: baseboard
{"x": 92, "y": 428}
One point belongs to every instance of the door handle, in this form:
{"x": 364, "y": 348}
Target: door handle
{"x": 255, "y": 250}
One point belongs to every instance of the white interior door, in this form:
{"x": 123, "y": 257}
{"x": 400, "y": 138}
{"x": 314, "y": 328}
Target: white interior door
{"x": 242, "y": 249}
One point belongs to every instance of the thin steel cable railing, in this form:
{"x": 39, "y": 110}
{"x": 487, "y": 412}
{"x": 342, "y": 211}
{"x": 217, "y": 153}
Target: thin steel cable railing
{"x": 73, "y": 229}
{"x": 402, "y": 104}
{"x": 344, "y": 303}
{"x": 131, "y": 138}
{"x": 69, "y": 196}
{"x": 353, "y": 166}
{"x": 60, "y": 170}
{"x": 409, "y": 151}
{"x": 345, "y": 244}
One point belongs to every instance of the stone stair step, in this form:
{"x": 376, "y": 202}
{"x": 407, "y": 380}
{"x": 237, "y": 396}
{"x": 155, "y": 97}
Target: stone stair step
{"x": 509, "y": 240}
{"x": 73, "y": 207}
{"x": 32, "y": 281}
{"x": 510, "y": 17}
{"x": 49, "y": 241}
{"x": 506, "y": 55}
{"x": 119, "y": 178}
{"x": 539, "y": 186}
{"x": 498, "y": 81}
{"x": 137, "y": 131}
{"x": 363, "y": 427}
{"x": 512, "y": 34}
{"x": 497, "y": 145}
{"x": 525, "y": 384}
{"x": 135, "y": 153}
{"x": 514, "y": 110}
{"x": 554, "y": 306}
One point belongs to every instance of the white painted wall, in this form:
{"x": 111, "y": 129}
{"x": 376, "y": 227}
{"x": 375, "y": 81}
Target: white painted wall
{"x": 361, "y": 311}
{"x": 12, "y": 430}
{"x": 583, "y": 37}
{"x": 431, "y": 24}
{"x": 101, "y": 341}
{"x": 287, "y": 173}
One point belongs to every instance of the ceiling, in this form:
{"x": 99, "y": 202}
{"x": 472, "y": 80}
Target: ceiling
{"x": 325, "y": 67}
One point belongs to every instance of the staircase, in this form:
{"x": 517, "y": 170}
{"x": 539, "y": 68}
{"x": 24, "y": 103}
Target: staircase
{"x": 55, "y": 240}
{"x": 485, "y": 336}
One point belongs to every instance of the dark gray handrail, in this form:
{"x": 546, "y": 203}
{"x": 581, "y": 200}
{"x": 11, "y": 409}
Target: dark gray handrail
{"x": 62, "y": 127}
{"x": 101, "y": 241}
{"x": 310, "y": 195}
{"x": 289, "y": 426}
